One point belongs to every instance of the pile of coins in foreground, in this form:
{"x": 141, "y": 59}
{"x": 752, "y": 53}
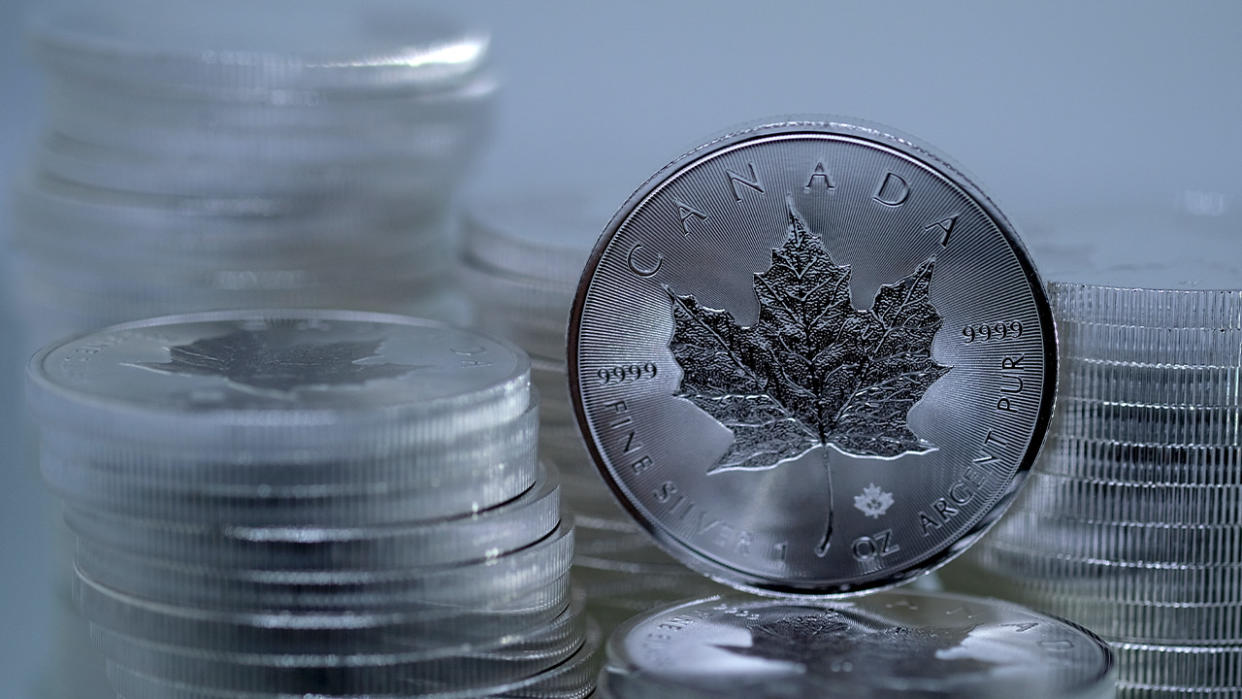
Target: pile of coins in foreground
{"x": 202, "y": 157}
{"x": 520, "y": 266}
{"x": 890, "y": 644}
{"x": 1129, "y": 523}
{"x": 288, "y": 503}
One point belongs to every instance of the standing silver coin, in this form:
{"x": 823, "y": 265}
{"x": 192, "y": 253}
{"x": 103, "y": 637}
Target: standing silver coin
{"x": 812, "y": 358}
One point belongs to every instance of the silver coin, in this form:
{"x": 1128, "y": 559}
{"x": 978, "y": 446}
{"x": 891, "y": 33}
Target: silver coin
{"x": 1152, "y": 543}
{"x": 535, "y": 237}
{"x": 1141, "y": 249}
{"x": 1169, "y": 384}
{"x": 260, "y": 170}
{"x": 766, "y": 420}
{"x": 320, "y": 632}
{"x": 476, "y": 536}
{"x": 1023, "y": 569}
{"x": 1145, "y": 691}
{"x": 1130, "y": 462}
{"x": 402, "y": 462}
{"x": 884, "y": 645}
{"x": 1136, "y": 422}
{"x": 238, "y": 50}
{"x": 1153, "y": 344}
{"x": 504, "y": 658}
{"x": 1113, "y": 501}
{"x": 228, "y": 227}
{"x": 1204, "y": 666}
{"x": 1147, "y": 308}
{"x": 572, "y": 679}
{"x": 543, "y": 338}
{"x": 244, "y": 379}
{"x": 1121, "y": 620}
{"x": 332, "y": 589}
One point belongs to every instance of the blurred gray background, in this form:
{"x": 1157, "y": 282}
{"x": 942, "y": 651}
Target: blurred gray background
{"x": 1049, "y": 104}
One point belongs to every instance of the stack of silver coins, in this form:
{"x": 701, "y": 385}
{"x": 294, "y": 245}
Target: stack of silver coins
{"x": 1129, "y": 523}
{"x": 289, "y": 503}
{"x": 521, "y": 262}
{"x": 230, "y": 155}
{"x": 886, "y": 645}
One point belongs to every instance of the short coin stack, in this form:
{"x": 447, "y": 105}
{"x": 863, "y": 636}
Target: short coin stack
{"x": 521, "y": 263}
{"x": 882, "y": 646}
{"x": 234, "y": 155}
{"x": 271, "y": 504}
{"x": 1130, "y": 521}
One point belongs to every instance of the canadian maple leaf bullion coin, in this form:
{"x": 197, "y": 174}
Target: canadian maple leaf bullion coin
{"x": 812, "y": 358}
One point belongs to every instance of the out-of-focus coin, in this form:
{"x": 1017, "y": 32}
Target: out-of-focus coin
{"x": 1024, "y": 571}
{"x": 1141, "y": 263}
{"x": 231, "y": 51}
{"x": 318, "y": 631}
{"x": 1120, "y": 620}
{"x": 885, "y": 645}
{"x": 219, "y": 382}
{"x": 332, "y": 589}
{"x": 1141, "y": 462}
{"x": 477, "y": 536}
{"x": 1121, "y": 542}
{"x": 1113, "y": 501}
{"x": 535, "y": 238}
{"x": 812, "y": 357}
{"x": 505, "y": 658}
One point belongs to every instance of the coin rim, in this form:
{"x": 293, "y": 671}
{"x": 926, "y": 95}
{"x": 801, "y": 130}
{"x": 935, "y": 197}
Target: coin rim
{"x": 954, "y": 176}
{"x": 618, "y": 660}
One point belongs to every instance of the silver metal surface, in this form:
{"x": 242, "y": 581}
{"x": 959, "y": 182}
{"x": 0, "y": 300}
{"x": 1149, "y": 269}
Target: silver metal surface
{"x": 337, "y": 373}
{"x": 892, "y": 644}
{"x": 812, "y": 358}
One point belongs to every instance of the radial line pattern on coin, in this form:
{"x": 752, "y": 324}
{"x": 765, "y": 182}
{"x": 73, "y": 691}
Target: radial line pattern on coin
{"x": 737, "y": 273}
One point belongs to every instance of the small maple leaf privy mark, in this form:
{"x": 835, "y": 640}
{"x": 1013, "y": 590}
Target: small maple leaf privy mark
{"x": 813, "y": 370}
{"x": 873, "y": 501}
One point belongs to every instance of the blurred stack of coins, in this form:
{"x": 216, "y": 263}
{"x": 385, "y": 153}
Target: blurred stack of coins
{"x": 289, "y": 503}
{"x": 238, "y": 155}
{"x": 889, "y": 644}
{"x": 200, "y": 156}
{"x": 521, "y": 262}
{"x": 1130, "y": 522}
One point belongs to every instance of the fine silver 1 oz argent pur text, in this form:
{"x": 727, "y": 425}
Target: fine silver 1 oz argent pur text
{"x": 812, "y": 358}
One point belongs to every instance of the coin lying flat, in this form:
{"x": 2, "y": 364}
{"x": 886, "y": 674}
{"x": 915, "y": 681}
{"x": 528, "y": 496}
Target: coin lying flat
{"x": 886, "y": 645}
{"x": 279, "y": 378}
{"x": 317, "y": 632}
{"x": 477, "y": 536}
{"x": 812, "y": 357}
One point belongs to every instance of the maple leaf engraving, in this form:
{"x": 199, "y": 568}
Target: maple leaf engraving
{"x": 873, "y": 501}
{"x": 813, "y": 370}
{"x": 273, "y": 362}
{"x": 826, "y": 643}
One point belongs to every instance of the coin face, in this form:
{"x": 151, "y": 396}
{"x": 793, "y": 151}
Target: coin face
{"x": 812, "y": 358}
{"x": 895, "y": 644}
{"x": 280, "y": 361}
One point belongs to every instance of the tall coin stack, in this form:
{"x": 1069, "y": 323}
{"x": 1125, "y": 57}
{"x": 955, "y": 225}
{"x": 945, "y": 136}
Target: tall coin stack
{"x": 280, "y": 503}
{"x": 1130, "y": 522}
{"x": 521, "y": 262}
{"x": 200, "y": 156}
